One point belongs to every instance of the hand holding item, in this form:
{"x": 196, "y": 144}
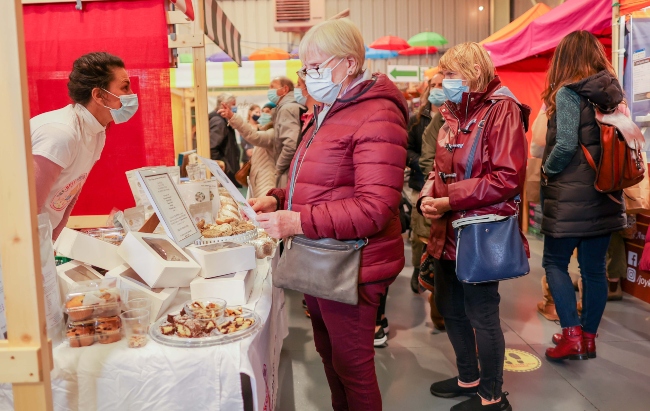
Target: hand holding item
{"x": 266, "y": 204}
{"x": 225, "y": 111}
{"x": 281, "y": 224}
{"x": 434, "y": 208}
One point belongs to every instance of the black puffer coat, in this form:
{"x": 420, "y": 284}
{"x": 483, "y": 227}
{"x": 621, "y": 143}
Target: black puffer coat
{"x": 414, "y": 149}
{"x": 572, "y": 206}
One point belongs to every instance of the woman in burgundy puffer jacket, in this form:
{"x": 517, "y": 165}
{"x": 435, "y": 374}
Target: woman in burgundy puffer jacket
{"x": 348, "y": 187}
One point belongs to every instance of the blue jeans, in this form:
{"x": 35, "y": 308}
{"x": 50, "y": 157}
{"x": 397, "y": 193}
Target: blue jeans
{"x": 591, "y": 257}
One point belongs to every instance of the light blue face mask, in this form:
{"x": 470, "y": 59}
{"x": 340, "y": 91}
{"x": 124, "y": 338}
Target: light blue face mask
{"x": 454, "y": 89}
{"x": 265, "y": 118}
{"x": 128, "y": 109}
{"x": 300, "y": 98}
{"x": 233, "y": 109}
{"x": 437, "y": 97}
{"x": 272, "y": 94}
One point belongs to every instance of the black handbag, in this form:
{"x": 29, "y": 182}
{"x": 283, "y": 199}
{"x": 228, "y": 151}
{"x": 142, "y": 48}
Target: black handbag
{"x": 489, "y": 247}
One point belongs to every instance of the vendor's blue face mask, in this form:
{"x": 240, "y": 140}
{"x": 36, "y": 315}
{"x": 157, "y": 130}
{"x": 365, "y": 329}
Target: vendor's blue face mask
{"x": 437, "y": 97}
{"x": 454, "y": 89}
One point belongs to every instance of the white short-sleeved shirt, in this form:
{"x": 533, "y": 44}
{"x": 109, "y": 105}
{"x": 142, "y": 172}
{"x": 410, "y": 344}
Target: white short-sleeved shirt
{"x": 72, "y": 138}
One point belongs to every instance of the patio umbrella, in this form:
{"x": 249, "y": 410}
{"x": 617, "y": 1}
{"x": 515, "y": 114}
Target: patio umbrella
{"x": 269, "y": 53}
{"x": 418, "y": 51}
{"x": 427, "y": 38}
{"x": 393, "y": 43}
{"x": 374, "y": 54}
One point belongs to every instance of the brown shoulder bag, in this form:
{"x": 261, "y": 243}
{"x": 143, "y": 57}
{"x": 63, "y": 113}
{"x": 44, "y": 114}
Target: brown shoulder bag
{"x": 621, "y": 163}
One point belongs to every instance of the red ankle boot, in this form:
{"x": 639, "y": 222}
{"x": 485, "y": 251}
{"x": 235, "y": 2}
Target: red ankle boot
{"x": 588, "y": 339}
{"x": 571, "y": 346}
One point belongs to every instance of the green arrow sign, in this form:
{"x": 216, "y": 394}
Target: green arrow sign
{"x": 396, "y": 73}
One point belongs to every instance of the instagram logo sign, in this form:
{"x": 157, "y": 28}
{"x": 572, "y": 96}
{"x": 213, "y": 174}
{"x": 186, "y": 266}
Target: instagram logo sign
{"x": 631, "y": 275}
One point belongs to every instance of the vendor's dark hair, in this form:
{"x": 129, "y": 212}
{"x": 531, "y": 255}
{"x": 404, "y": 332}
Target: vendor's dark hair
{"x": 92, "y": 70}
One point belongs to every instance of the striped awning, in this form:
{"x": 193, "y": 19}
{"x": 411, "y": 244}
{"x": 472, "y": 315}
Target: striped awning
{"x": 221, "y": 30}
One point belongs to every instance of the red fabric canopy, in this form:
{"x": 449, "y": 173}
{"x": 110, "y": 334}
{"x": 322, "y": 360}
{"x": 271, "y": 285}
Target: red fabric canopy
{"x": 545, "y": 32}
{"x": 136, "y": 31}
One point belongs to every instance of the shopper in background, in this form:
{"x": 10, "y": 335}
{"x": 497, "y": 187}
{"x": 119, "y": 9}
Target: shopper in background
{"x": 417, "y": 124}
{"x": 575, "y": 214}
{"x": 267, "y": 114}
{"x": 429, "y": 142}
{"x": 223, "y": 141}
{"x": 348, "y": 181}
{"x": 254, "y": 113}
{"x": 475, "y": 97}
{"x": 286, "y": 124}
{"x": 66, "y": 143}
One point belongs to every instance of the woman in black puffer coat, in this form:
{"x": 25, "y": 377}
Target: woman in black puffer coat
{"x": 575, "y": 214}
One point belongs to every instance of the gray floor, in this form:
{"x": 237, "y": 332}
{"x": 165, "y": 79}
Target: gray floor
{"x": 618, "y": 380}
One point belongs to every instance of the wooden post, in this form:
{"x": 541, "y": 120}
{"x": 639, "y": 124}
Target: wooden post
{"x": 201, "y": 86}
{"x": 616, "y": 12}
{"x": 26, "y": 358}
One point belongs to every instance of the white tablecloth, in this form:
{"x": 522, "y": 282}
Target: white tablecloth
{"x": 157, "y": 377}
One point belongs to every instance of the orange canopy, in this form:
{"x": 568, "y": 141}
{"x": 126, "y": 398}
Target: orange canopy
{"x": 520, "y": 23}
{"x": 269, "y": 53}
{"x": 628, "y": 6}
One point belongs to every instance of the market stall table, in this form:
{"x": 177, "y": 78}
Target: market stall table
{"x": 115, "y": 377}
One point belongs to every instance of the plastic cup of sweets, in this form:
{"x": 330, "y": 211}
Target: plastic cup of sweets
{"x": 135, "y": 324}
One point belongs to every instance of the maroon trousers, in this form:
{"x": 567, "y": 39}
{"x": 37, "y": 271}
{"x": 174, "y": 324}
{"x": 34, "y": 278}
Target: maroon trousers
{"x": 344, "y": 336}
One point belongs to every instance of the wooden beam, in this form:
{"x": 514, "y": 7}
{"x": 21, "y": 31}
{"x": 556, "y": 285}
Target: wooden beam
{"x": 177, "y": 17}
{"x": 187, "y": 40}
{"x": 200, "y": 87}
{"x": 87, "y": 221}
{"x": 19, "y": 243}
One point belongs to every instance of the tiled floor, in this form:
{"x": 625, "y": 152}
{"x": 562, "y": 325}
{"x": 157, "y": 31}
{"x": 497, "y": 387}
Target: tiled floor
{"x": 618, "y": 380}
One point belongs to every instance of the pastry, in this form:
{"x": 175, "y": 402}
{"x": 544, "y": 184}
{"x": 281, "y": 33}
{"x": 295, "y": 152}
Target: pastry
{"x": 137, "y": 341}
{"x": 167, "y": 328}
{"x": 81, "y": 335}
{"x": 189, "y": 329}
{"x": 76, "y": 310}
{"x": 108, "y": 329}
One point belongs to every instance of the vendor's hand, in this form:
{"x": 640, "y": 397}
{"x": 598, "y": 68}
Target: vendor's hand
{"x": 225, "y": 111}
{"x": 266, "y": 204}
{"x": 281, "y": 224}
{"x": 434, "y": 208}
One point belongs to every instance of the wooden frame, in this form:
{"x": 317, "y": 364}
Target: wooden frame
{"x": 26, "y": 357}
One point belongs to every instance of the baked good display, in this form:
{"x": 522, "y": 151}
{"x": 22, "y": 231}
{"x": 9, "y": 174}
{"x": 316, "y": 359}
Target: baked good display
{"x": 107, "y": 329}
{"x": 81, "y": 334}
{"x": 164, "y": 249}
{"x": 225, "y": 227}
{"x": 235, "y": 324}
{"x": 95, "y": 303}
{"x": 205, "y": 308}
{"x": 76, "y": 309}
{"x": 199, "y": 319}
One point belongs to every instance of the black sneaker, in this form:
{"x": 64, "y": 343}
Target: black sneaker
{"x": 450, "y": 388}
{"x": 384, "y": 325}
{"x": 415, "y": 285}
{"x": 474, "y": 404}
{"x": 380, "y": 338}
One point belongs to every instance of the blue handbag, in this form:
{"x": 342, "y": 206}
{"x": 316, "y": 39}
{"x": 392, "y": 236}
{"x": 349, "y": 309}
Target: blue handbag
{"x": 489, "y": 247}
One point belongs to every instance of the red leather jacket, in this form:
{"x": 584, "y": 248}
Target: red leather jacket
{"x": 499, "y": 167}
{"x": 350, "y": 182}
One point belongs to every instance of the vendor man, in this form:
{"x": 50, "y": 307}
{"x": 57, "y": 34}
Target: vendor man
{"x": 66, "y": 143}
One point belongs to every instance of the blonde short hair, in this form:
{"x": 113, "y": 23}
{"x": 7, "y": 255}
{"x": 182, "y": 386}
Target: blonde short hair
{"x": 339, "y": 38}
{"x": 462, "y": 58}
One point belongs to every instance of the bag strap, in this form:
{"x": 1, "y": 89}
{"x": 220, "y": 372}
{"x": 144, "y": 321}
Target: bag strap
{"x": 472, "y": 152}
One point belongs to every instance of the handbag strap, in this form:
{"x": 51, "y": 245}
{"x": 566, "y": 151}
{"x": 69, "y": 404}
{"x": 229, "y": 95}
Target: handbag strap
{"x": 296, "y": 167}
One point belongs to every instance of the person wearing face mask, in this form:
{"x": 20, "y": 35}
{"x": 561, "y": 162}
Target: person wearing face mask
{"x": 254, "y": 113}
{"x": 286, "y": 126}
{"x": 223, "y": 141}
{"x": 346, "y": 182}
{"x": 429, "y": 142}
{"x": 66, "y": 143}
{"x": 476, "y": 101}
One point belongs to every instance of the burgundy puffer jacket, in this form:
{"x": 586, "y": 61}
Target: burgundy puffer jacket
{"x": 350, "y": 182}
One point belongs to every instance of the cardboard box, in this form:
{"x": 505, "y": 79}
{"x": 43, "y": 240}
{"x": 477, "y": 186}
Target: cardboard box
{"x": 89, "y": 250}
{"x": 234, "y": 288}
{"x": 223, "y": 258}
{"x": 161, "y": 298}
{"x": 158, "y": 260}
{"x": 72, "y": 273}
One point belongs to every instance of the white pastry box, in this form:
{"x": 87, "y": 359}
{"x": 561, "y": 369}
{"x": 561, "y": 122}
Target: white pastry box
{"x": 82, "y": 247}
{"x": 128, "y": 279}
{"x": 234, "y": 288}
{"x": 72, "y": 273}
{"x": 158, "y": 260}
{"x": 223, "y": 258}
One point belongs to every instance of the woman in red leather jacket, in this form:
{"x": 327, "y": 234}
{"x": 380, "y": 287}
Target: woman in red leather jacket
{"x": 471, "y": 311}
{"x": 348, "y": 174}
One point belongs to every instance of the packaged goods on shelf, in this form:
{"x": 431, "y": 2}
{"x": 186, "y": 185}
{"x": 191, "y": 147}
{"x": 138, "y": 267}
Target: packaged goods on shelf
{"x": 88, "y": 249}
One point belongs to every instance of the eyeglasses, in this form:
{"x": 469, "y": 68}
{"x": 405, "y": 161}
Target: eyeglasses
{"x": 314, "y": 73}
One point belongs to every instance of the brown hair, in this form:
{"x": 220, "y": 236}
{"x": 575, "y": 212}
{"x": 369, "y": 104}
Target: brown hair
{"x": 250, "y": 110}
{"x": 90, "y": 71}
{"x": 579, "y": 55}
{"x": 284, "y": 82}
{"x": 424, "y": 105}
{"x": 462, "y": 58}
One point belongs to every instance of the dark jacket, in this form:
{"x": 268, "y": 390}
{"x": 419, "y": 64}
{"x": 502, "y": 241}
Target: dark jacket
{"x": 430, "y": 142}
{"x": 572, "y": 206}
{"x": 499, "y": 167}
{"x": 223, "y": 144}
{"x": 351, "y": 178}
{"x": 414, "y": 146}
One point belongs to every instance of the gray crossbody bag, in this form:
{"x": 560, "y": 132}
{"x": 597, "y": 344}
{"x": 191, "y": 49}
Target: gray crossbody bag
{"x": 326, "y": 268}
